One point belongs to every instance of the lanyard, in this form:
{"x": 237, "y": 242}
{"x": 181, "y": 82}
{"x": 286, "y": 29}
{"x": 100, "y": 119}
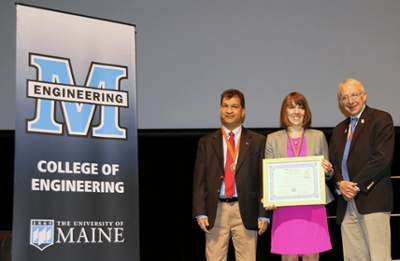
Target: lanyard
{"x": 229, "y": 146}
{"x": 296, "y": 152}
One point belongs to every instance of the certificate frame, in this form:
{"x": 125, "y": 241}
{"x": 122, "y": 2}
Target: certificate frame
{"x": 295, "y": 181}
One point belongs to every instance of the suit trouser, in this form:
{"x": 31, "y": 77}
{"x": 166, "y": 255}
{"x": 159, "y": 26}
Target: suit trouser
{"x": 366, "y": 237}
{"x": 229, "y": 224}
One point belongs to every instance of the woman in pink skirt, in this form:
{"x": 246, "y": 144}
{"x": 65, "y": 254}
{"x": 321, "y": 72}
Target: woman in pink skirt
{"x": 299, "y": 230}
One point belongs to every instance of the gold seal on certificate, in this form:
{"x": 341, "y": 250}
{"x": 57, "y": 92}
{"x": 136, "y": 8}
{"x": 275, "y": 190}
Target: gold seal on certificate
{"x": 294, "y": 181}
{"x": 233, "y": 167}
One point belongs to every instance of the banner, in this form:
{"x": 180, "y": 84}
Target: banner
{"x": 76, "y": 170}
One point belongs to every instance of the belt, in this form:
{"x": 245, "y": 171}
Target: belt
{"x": 228, "y": 200}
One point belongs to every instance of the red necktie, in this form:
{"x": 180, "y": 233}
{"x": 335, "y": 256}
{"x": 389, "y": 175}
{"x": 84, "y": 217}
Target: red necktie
{"x": 229, "y": 178}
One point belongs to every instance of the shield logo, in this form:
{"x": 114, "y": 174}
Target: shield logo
{"x": 42, "y": 233}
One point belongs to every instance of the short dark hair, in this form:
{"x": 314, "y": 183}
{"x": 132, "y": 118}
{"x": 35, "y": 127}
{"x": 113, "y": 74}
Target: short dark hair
{"x": 233, "y": 92}
{"x": 298, "y": 99}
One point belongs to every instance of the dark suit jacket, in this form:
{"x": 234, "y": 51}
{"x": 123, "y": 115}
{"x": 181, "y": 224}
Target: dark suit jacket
{"x": 209, "y": 174}
{"x": 368, "y": 163}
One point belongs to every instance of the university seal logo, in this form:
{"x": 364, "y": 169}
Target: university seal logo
{"x": 42, "y": 233}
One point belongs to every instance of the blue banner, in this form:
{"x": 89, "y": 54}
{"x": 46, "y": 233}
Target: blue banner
{"x": 76, "y": 170}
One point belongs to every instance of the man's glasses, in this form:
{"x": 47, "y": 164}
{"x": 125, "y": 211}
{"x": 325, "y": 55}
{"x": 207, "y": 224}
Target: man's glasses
{"x": 354, "y": 96}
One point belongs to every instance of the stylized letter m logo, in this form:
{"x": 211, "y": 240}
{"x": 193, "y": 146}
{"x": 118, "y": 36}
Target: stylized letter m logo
{"x": 55, "y": 83}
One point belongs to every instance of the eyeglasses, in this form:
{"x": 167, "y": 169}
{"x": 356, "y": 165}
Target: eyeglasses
{"x": 353, "y": 96}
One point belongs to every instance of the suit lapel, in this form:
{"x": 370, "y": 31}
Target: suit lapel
{"x": 282, "y": 144}
{"x": 245, "y": 143}
{"x": 343, "y": 137}
{"x": 310, "y": 143}
{"x": 364, "y": 117}
{"x": 218, "y": 148}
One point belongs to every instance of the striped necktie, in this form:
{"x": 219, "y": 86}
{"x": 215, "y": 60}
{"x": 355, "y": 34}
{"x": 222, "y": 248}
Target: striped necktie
{"x": 345, "y": 172}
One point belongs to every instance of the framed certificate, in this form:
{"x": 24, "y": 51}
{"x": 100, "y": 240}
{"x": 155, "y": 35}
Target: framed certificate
{"x": 293, "y": 181}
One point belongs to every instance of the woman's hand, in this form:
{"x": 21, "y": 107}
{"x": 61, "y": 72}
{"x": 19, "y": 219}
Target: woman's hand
{"x": 268, "y": 208}
{"x": 327, "y": 166}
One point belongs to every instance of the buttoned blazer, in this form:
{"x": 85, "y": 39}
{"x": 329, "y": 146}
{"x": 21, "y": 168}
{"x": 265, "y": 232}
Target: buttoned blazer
{"x": 369, "y": 161}
{"x": 316, "y": 145}
{"x": 209, "y": 174}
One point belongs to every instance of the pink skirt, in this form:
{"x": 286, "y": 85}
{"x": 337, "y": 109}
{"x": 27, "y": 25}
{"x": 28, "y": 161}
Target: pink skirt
{"x": 300, "y": 230}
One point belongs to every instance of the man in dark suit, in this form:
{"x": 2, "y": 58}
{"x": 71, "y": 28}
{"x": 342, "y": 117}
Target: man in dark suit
{"x": 363, "y": 182}
{"x": 226, "y": 201}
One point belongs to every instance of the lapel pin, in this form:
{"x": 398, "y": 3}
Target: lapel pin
{"x": 247, "y": 143}
{"x": 362, "y": 120}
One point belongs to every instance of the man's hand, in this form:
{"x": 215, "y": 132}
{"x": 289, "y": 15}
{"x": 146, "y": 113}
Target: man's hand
{"x": 348, "y": 189}
{"x": 203, "y": 223}
{"x": 262, "y": 226}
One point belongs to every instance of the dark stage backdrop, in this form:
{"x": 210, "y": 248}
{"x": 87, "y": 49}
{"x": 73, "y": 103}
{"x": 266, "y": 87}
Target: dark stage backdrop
{"x": 167, "y": 230}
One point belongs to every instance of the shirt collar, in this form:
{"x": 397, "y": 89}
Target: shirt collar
{"x": 235, "y": 131}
